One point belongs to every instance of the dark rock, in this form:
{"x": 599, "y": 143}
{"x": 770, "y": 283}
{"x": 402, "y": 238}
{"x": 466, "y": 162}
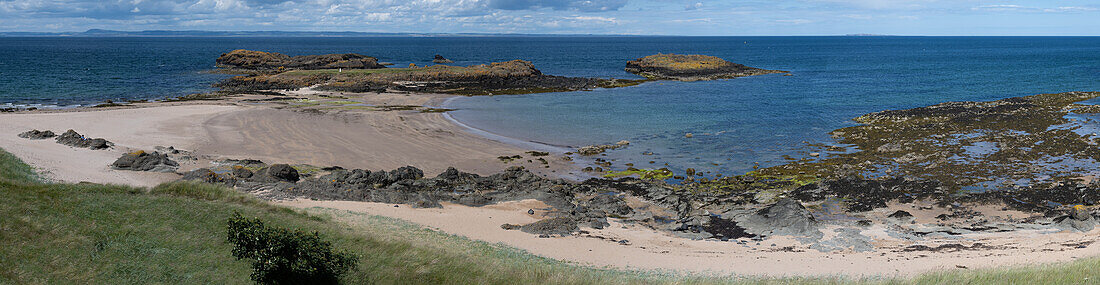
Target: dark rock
{"x": 209, "y": 176}
{"x": 866, "y": 194}
{"x": 899, "y": 214}
{"x": 552, "y": 226}
{"x": 241, "y": 172}
{"x": 73, "y": 139}
{"x": 405, "y": 173}
{"x": 441, "y": 59}
{"x": 143, "y": 161}
{"x": 37, "y": 135}
{"x": 258, "y": 60}
{"x": 786, "y": 217}
{"x": 278, "y": 173}
{"x": 725, "y": 229}
{"x": 609, "y": 203}
{"x": 1078, "y": 219}
{"x": 243, "y": 162}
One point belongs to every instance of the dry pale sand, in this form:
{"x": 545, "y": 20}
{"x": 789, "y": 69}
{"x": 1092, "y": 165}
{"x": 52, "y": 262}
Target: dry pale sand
{"x": 650, "y": 250}
{"x": 367, "y": 140}
{"x": 180, "y": 126}
{"x": 234, "y": 129}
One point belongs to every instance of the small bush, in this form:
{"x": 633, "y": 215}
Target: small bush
{"x": 281, "y": 256}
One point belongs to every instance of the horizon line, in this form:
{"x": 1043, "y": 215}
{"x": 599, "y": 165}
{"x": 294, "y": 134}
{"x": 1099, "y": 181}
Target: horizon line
{"x": 259, "y": 33}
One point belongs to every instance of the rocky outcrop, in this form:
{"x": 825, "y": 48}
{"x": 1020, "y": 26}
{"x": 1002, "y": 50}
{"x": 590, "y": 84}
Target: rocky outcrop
{"x": 551, "y": 227}
{"x": 786, "y": 217}
{"x": 37, "y": 135}
{"x": 1079, "y": 219}
{"x": 441, "y": 59}
{"x": 598, "y": 149}
{"x": 274, "y": 71}
{"x": 274, "y": 173}
{"x": 144, "y": 161}
{"x": 266, "y": 61}
{"x": 690, "y": 68}
{"x": 74, "y": 139}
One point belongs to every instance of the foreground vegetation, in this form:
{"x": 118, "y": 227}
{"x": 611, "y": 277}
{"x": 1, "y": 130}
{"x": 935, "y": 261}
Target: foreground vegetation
{"x": 175, "y": 233}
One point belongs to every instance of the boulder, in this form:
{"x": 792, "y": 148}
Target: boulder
{"x": 74, "y": 139}
{"x": 1078, "y": 219}
{"x": 144, "y": 161}
{"x": 786, "y": 217}
{"x": 37, "y": 135}
{"x": 553, "y": 226}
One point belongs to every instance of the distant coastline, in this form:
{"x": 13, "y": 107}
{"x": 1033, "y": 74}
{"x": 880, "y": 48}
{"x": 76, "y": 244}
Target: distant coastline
{"x": 203, "y": 33}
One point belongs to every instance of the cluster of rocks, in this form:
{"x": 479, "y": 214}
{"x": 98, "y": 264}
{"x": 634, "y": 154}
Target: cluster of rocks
{"x": 74, "y": 139}
{"x": 144, "y": 161}
{"x": 242, "y": 176}
{"x": 258, "y": 60}
{"x": 69, "y": 138}
{"x": 598, "y": 149}
{"x": 266, "y": 72}
{"x": 37, "y": 135}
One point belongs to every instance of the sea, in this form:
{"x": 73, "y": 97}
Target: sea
{"x": 735, "y": 124}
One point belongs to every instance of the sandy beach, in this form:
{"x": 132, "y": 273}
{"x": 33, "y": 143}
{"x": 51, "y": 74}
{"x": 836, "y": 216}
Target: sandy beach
{"x": 243, "y": 129}
{"x": 646, "y": 249}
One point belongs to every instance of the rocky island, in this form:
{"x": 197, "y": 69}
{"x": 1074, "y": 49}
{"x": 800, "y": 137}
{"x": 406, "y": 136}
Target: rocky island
{"x": 691, "y": 67}
{"x": 357, "y": 73}
{"x": 268, "y": 62}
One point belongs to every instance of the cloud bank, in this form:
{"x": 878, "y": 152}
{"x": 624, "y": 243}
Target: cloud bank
{"x": 666, "y": 17}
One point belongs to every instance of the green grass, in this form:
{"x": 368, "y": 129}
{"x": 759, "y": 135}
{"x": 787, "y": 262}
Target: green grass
{"x": 175, "y": 233}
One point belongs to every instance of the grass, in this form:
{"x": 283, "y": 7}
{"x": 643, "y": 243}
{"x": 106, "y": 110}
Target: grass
{"x": 175, "y": 233}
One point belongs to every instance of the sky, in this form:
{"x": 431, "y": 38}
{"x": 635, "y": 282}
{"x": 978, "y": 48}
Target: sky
{"x": 631, "y": 17}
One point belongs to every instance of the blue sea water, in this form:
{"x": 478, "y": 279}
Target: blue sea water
{"x": 735, "y": 123}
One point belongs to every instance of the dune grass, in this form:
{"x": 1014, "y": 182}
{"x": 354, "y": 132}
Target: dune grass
{"x": 175, "y": 233}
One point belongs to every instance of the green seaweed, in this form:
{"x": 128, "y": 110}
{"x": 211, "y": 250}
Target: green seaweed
{"x": 654, "y": 174}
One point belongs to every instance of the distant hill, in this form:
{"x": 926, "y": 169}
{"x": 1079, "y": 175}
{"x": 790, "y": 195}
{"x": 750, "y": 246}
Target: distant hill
{"x": 200, "y": 33}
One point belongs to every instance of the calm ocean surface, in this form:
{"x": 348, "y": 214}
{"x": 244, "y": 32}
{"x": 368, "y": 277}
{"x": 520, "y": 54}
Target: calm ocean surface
{"x": 734, "y": 122}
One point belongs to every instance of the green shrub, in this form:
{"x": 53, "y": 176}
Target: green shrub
{"x": 281, "y": 256}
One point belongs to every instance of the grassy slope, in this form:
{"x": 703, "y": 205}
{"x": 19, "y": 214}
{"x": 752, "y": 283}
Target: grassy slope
{"x": 174, "y": 233}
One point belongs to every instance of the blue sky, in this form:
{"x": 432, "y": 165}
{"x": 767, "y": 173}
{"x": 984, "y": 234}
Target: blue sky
{"x": 662, "y": 17}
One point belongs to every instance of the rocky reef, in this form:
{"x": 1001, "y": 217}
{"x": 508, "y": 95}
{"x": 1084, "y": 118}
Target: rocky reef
{"x": 690, "y": 68}
{"x": 273, "y": 61}
{"x": 511, "y": 77}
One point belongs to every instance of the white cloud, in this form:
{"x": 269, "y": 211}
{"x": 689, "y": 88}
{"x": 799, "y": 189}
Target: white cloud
{"x": 593, "y": 19}
{"x": 794, "y": 21}
{"x": 1019, "y": 8}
